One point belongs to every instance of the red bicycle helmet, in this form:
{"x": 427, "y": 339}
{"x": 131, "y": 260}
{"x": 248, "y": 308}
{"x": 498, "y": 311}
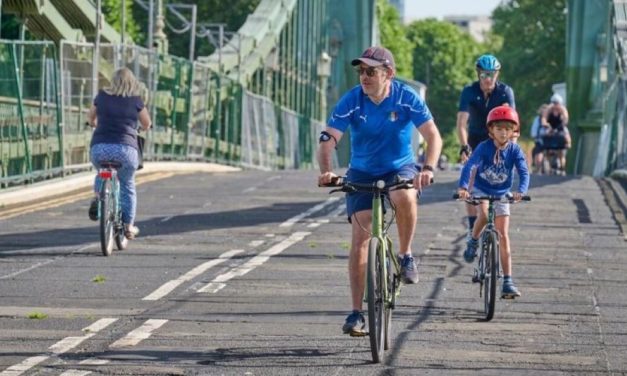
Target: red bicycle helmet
{"x": 503, "y": 113}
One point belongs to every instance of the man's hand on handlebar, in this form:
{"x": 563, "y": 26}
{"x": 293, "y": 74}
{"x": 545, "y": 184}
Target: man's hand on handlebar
{"x": 327, "y": 178}
{"x": 423, "y": 179}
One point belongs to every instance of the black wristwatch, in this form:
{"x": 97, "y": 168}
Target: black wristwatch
{"x": 428, "y": 168}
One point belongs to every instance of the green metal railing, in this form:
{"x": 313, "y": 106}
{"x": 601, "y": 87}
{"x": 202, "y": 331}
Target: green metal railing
{"x": 31, "y": 140}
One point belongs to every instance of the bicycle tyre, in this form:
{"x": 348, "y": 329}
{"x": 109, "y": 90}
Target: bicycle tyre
{"x": 107, "y": 218}
{"x": 391, "y": 293}
{"x": 492, "y": 274}
{"x": 376, "y": 309}
{"x": 121, "y": 241}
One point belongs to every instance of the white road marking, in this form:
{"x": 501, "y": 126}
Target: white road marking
{"x": 27, "y": 364}
{"x": 239, "y": 271}
{"x": 60, "y": 347}
{"x": 42, "y": 263}
{"x": 136, "y": 336}
{"x": 167, "y": 287}
{"x": 28, "y": 269}
{"x": 256, "y": 243}
{"x": 290, "y": 222}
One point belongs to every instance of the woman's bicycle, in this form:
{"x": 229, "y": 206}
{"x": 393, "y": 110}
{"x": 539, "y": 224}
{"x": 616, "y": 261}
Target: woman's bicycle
{"x": 383, "y": 273}
{"x": 487, "y": 271}
{"x": 111, "y": 226}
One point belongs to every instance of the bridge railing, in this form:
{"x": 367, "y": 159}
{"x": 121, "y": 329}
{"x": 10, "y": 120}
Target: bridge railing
{"x": 30, "y": 129}
{"x": 198, "y": 114}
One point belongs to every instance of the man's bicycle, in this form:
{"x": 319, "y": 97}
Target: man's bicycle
{"x": 487, "y": 271}
{"x": 383, "y": 273}
{"x": 111, "y": 226}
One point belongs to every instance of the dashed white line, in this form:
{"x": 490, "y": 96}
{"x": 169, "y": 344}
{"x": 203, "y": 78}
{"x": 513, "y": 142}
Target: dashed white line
{"x": 136, "y": 336}
{"x": 290, "y": 222}
{"x": 256, "y": 243}
{"x": 60, "y": 347}
{"x": 167, "y": 287}
{"x": 218, "y": 282}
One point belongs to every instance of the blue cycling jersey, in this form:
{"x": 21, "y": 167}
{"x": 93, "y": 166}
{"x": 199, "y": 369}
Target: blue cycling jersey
{"x": 381, "y": 135}
{"x": 473, "y": 101}
{"x": 495, "y": 171}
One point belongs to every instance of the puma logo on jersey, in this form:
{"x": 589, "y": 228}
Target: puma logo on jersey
{"x": 393, "y": 116}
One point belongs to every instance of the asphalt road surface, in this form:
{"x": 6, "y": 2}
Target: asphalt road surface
{"x": 245, "y": 273}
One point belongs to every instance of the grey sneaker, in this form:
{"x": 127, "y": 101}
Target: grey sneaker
{"x": 409, "y": 270}
{"x": 130, "y": 231}
{"x": 355, "y": 325}
{"x": 509, "y": 290}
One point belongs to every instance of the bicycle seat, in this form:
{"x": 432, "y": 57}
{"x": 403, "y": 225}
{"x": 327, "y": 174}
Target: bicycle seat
{"x": 110, "y": 164}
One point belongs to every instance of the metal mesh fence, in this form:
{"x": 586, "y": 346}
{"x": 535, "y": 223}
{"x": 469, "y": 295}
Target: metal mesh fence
{"x": 197, "y": 113}
{"x": 30, "y": 137}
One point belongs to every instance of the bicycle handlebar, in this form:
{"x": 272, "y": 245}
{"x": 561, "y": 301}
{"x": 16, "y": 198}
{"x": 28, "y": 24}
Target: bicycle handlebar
{"x": 505, "y": 199}
{"x": 378, "y": 186}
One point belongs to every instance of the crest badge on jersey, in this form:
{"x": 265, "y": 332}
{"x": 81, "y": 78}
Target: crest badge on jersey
{"x": 393, "y": 116}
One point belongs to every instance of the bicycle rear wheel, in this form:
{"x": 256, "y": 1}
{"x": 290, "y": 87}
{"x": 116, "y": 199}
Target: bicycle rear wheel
{"x": 107, "y": 218}
{"x": 491, "y": 254}
{"x": 121, "y": 241}
{"x": 376, "y": 306}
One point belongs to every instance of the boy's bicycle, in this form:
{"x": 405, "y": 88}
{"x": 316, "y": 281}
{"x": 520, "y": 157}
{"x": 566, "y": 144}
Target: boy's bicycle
{"x": 487, "y": 271}
{"x": 383, "y": 280}
{"x": 111, "y": 226}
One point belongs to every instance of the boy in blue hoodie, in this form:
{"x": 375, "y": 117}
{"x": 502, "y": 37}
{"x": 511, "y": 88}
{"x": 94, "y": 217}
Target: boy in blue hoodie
{"x": 494, "y": 161}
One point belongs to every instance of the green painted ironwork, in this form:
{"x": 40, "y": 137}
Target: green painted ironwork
{"x": 597, "y": 92}
{"x": 263, "y": 107}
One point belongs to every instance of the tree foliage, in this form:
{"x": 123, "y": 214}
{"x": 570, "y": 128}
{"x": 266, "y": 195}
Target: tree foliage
{"x": 112, "y": 10}
{"x": 233, "y": 13}
{"x": 534, "y": 50}
{"x": 393, "y": 37}
{"x": 443, "y": 58}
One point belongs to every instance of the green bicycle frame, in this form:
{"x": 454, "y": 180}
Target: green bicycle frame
{"x": 378, "y": 231}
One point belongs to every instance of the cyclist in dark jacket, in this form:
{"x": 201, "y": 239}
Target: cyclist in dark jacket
{"x": 476, "y": 101}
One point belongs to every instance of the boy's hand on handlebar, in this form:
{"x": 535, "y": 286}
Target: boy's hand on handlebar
{"x": 463, "y": 194}
{"x": 327, "y": 178}
{"x": 517, "y": 196}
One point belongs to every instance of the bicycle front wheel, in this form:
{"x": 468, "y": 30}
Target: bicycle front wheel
{"x": 107, "y": 218}
{"x": 491, "y": 254}
{"x": 376, "y": 305}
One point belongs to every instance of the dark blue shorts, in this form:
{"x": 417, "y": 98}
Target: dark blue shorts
{"x": 358, "y": 201}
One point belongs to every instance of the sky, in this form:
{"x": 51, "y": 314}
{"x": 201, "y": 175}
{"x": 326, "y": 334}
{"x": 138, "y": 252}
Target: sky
{"x": 417, "y": 9}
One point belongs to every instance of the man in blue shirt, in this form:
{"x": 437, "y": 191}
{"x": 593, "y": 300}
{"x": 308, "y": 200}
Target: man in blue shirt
{"x": 382, "y": 114}
{"x": 475, "y": 102}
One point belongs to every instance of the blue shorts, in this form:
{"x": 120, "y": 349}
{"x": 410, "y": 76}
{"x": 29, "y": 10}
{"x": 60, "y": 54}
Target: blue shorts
{"x": 358, "y": 201}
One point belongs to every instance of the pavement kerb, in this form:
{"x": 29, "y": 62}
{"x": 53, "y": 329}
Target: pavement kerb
{"x": 54, "y": 187}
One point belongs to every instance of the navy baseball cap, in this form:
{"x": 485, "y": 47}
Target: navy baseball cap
{"x": 376, "y": 56}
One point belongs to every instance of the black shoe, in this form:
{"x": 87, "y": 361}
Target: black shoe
{"x": 93, "y": 209}
{"x": 355, "y": 325}
{"x": 409, "y": 270}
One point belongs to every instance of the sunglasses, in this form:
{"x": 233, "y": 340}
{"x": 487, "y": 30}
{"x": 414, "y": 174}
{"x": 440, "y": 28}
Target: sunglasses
{"x": 370, "y": 71}
{"x": 484, "y": 75}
